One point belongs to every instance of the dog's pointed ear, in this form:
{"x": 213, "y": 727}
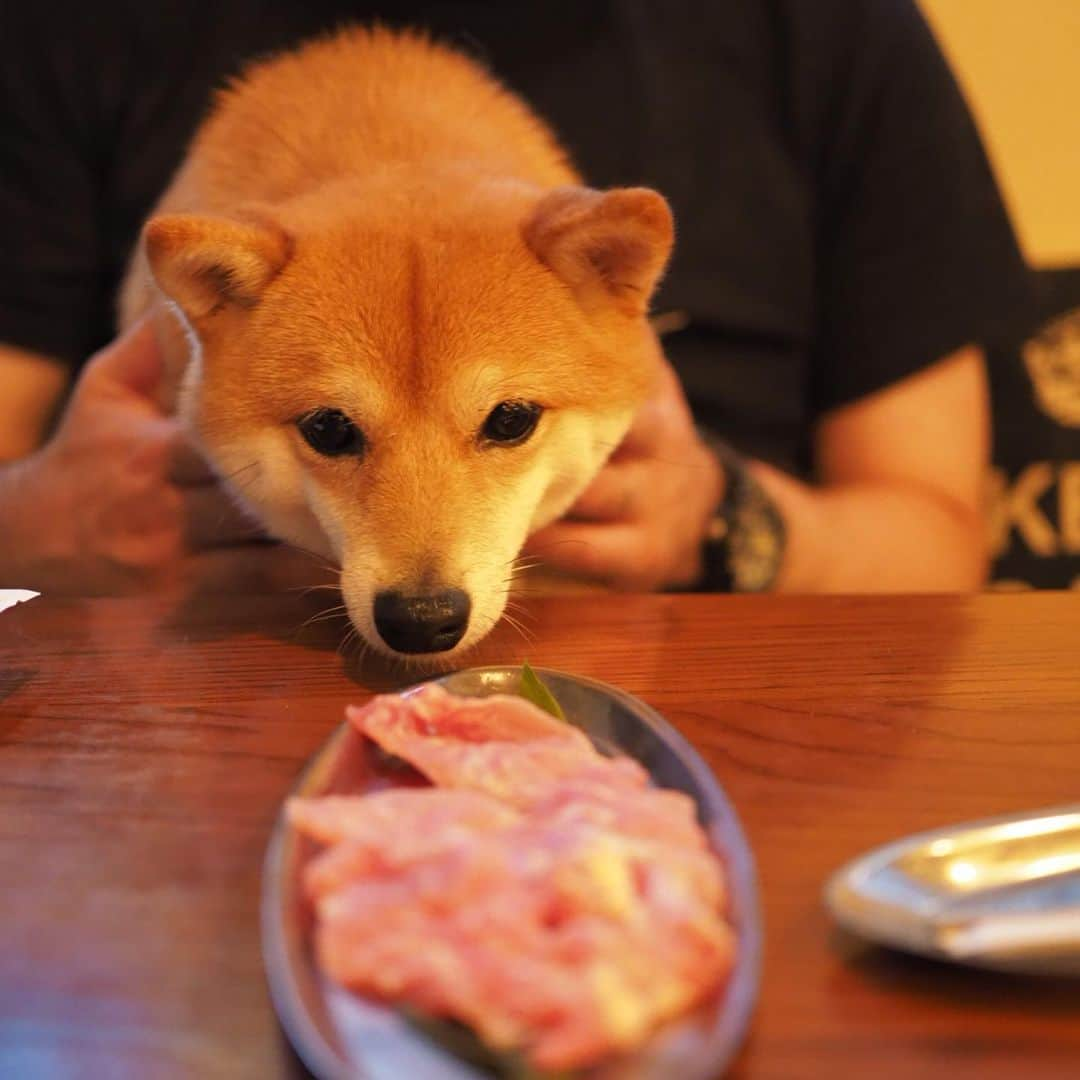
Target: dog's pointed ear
{"x": 604, "y": 243}
{"x": 205, "y": 263}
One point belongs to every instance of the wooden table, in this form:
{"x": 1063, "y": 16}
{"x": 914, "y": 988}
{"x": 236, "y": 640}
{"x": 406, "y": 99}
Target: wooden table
{"x": 145, "y": 745}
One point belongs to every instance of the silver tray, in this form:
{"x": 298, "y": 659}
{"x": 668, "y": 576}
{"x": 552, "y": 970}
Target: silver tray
{"x": 999, "y": 893}
{"x": 339, "y": 1035}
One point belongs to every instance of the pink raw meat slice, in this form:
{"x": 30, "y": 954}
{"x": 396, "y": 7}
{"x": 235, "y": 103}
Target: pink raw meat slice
{"x": 407, "y": 934}
{"x": 656, "y": 814}
{"x": 433, "y": 711}
{"x": 404, "y": 811}
{"x": 390, "y": 828}
{"x": 541, "y": 893}
{"x": 535, "y": 936}
{"x": 500, "y": 745}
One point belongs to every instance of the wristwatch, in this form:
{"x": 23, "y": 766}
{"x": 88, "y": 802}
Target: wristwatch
{"x": 743, "y": 546}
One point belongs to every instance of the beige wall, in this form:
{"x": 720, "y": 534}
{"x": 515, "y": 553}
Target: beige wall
{"x": 1019, "y": 64}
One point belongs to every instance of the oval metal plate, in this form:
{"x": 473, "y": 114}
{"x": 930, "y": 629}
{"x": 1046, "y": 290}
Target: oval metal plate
{"x": 999, "y": 893}
{"x": 340, "y": 1036}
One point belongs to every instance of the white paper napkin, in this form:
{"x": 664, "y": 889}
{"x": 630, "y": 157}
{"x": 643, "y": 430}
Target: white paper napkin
{"x": 11, "y": 597}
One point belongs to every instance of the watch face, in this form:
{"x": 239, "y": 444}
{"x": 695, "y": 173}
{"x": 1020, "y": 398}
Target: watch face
{"x": 756, "y": 541}
{"x": 743, "y": 546}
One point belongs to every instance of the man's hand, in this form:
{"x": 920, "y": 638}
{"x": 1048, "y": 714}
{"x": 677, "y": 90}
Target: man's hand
{"x": 640, "y": 524}
{"x": 118, "y": 496}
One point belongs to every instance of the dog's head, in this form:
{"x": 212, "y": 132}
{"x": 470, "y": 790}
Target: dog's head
{"x": 411, "y": 385}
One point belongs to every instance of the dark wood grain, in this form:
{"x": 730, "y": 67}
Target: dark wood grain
{"x": 145, "y": 746}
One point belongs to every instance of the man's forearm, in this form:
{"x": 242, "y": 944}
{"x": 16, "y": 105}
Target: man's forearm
{"x": 874, "y": 537}
{"x": 15, "y": 564}
{"x": 32, "y": 387}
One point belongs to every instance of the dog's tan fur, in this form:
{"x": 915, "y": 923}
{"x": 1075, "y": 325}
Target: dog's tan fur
{"x": 371, "y": 223}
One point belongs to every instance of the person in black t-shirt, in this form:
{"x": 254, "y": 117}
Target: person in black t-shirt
{"x": 842, "y": 258}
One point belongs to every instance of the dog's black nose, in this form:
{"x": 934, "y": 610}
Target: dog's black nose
{"x": 427, "y": 623}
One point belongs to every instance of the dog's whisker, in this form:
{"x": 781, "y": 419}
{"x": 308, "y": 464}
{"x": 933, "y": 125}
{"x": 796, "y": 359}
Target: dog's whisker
{"x": 562, "y": 543}
{"x": 523, "y": 567}
{"x": 239, "y": 489}
{"x": 350, "y": 634}
{"x": 353, "y": 639}
{"x": 325, "y": 616}
{"x": 237, "y": 472}
{"x": 336, "y": 612}
{"x": 521, "y": 586}
{"x": 361, "y": 649}
{"x": 527, "y": 637}
{"x": 322, "y": 560}
{"x": 304, "y": 590}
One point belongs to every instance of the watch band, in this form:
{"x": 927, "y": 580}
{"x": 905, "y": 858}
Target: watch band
{"x": 743, "y": 548}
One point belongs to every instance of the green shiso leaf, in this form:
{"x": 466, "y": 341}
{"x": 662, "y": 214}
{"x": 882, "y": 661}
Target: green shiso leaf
{"x": 532, "y": 689}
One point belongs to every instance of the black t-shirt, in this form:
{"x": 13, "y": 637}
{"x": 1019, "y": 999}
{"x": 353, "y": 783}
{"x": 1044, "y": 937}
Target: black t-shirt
{"x": 839, "y": 227}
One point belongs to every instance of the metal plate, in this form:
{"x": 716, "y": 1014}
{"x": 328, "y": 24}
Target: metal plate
{"x": 339, "y": 1035}
{"x": 999, "y": 893}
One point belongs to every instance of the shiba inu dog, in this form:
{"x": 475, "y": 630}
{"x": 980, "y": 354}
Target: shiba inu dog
{"x": 401, "y": 319}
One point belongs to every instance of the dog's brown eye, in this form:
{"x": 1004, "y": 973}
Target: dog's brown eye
{"x": 511, "y": 422}
{"x": 331, "y": 432}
